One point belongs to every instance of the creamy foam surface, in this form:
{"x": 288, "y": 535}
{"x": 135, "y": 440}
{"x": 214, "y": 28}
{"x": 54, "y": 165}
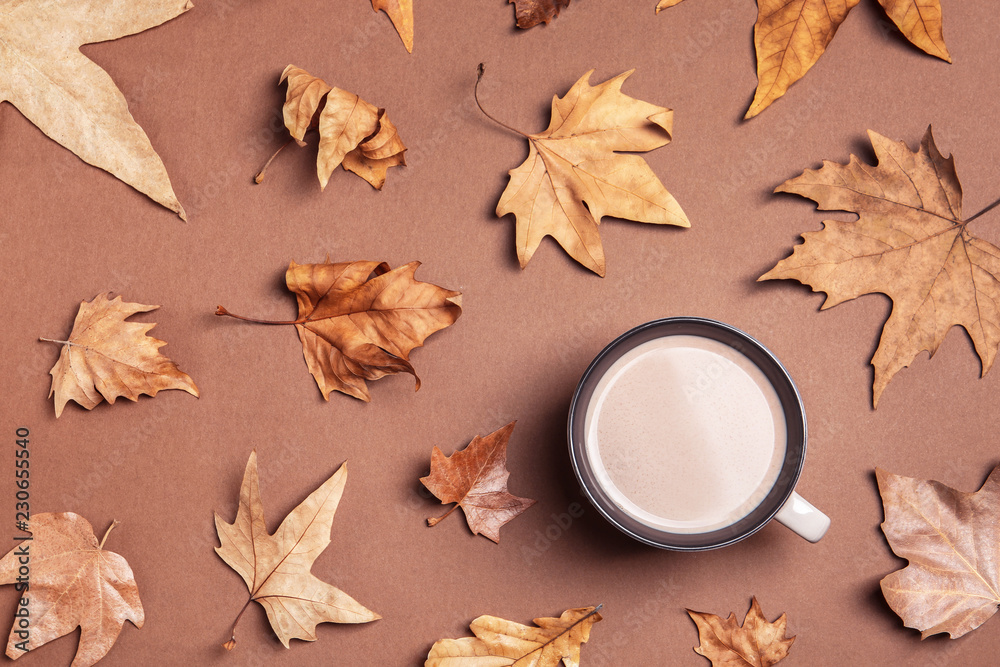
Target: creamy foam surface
{"x": 686, "y": 434}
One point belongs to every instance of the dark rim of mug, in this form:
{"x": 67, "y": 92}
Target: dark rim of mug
{"x": 791, "y": 402}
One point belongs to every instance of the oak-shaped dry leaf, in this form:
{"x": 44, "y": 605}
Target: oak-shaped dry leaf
{"x": 277, "y": 568}
{"x": 529, "y": 13}
{"x": 791, "y": 35}
{"x": 73, "y": 583}
{"x": 909, "y": 243}
{"x": 757, "y": 643}
{"x": 555, "y": 642}
{"x": 359, "y": 321}
{"x": 952, "y": 541}
{"x": 70, "y": 98}
{"x": 401, "y": 14}
{"x": 352, "y": 133}
{"x": 475, "y": 478}
{"x": 106, "y": 357}
{"x": 575, "y": 175}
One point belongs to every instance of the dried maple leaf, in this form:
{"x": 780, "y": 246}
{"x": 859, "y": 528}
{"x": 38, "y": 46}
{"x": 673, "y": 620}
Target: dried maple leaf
{"x": 356, "y": 326}
{"x": 352, "y": 132}
{"x": 791, "y": 35}
{"x": 73, "y": 583}
{"x": 555, "y": 642}
{"x": 574, "y": 176}
{"x": 276, "y": 568}
{"x": 951, "y": 541}
{"x": 475, "y": 478}
{"x": 756, "y": 643}
{"x": 108, "y": 357}
{"x": 530, "y": 13}
{"x": 401, "y": 14}
{"x": 73, "y": 100}
{"x": 909, "y": 243}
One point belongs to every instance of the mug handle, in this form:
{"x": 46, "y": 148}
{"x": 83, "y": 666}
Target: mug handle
{"x": 799, "y": 514}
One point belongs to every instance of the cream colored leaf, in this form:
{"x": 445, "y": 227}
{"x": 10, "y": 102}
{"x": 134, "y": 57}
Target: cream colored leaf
{"x": 952, "y": 541}
{"x": 401, "y": 14}
{"x": 277, "y": 568}
{"x": 909, "y": 243}
{"x": 71, "y": 99}
{"x": 303, "y": 98}
{"x": 499, "y": 642}
{"x": 107, "y": 357}
{"x": 576, "y": 173}
{"x": 73, "y": 583}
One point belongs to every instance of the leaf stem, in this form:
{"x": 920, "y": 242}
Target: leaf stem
{"x": 51, "y": 340}
{"x": 258, "y": 179}
{"x": 229, "y": 645}
{"x": 106, "y": 533}
{"x": 985, "y": 210}
{"x": 219, "y": 310}
{"x": 479, "y": 77}
{"x": 435, "y": 521}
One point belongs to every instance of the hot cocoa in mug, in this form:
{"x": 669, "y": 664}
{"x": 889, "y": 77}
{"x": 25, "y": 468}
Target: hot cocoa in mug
{"x": 688, "y": 434}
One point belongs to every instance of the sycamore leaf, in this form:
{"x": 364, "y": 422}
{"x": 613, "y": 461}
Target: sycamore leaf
{"x": 401, "y": 14}
{"x": 352, "y": 132}
{"x": 277, "y": 568}
{"x": 107, "y": 357}
{"x": 73, "y": 100}
{"x": 530, "y": 13}
{"x": 576, "y": 173}
{"x": 909, "y": 243}
{"x": 757, "y": 643}
{"x": 951, "y": 540}
{"x": 791, "y": 35}
{"x": 476, "y": 479}
{"x": 73, "y": 583}
{"x": 499, "y": 642}
{"x": 359, "y": 321}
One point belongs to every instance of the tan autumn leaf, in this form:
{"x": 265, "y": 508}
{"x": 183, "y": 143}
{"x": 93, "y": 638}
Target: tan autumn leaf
{"x": 475, "y": 478}
{"x": 401, "y": 14}
{"x": 581, "y": 169}
{"x": 73, "y": 583}
{"x": 277, "y": 568}
{"x": 920, "y": 22}
{"x": 107, "y": 357}
{"x": 359, "y": 321}
{"x": 666, "y": 4}
{"x": 529, "y": 13}
{"x": 909, "y": 243}
{"x": 555, "y": 642}
{"x": 73, "y": 100}
{"x": 952, "y": 542}
{"x": 352, "y": 132}
{"x": 757, "y": 643}
{"x": 791, "y": 35}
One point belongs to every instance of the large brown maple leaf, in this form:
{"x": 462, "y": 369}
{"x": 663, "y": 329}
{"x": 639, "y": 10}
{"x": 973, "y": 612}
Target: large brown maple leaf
{"x": 909, "y": 243}
{"x": 73, "y": 582}
{"x": 757, "y": 643}
{"x": 475, "y": 478}
{"x": 107, "y": 357}
{"x": 72, "y": 100}
{"x": 555, "y": 642}
{"x": 791, "y": 35}
{"x": 952, "y": 542}
{"x": 577, "y": 172}
{"x": 277, "y": 568}
{"x": 359, "y": 321}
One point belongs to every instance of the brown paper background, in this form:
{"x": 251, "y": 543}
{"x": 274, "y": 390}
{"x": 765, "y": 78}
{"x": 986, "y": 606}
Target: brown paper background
{"x": 204, "y": 88}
